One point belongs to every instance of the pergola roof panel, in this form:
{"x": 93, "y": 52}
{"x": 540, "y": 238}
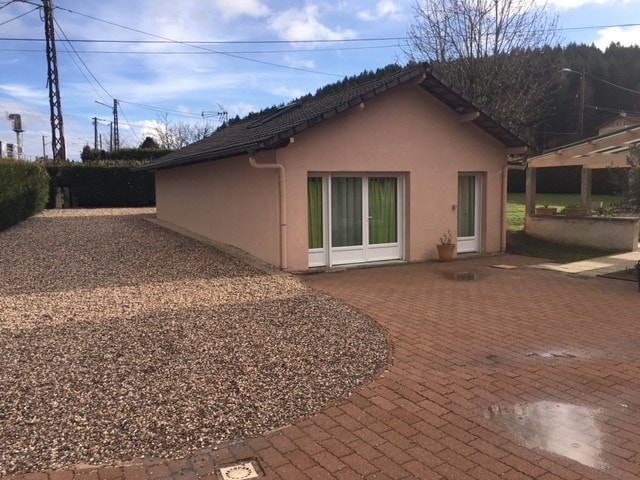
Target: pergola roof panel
{"x": 605, "y": 151}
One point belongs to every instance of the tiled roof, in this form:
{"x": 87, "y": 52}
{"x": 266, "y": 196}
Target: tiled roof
{"x": 271, "y": 129}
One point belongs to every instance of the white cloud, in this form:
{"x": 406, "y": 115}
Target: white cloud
{"x": 570, "y": 4}
{"x": 25, "y": 93}
{"x": 235, "y": 8}
{"x": 287, "y": 92}
{"x": 241, "y": 109}
{"x": 625, "y": 36}
{"x": 385, "y": 9}
{"x": 146, "y": 128}
{"x": 296, "y": 25}
{"x": 291, "y": 61}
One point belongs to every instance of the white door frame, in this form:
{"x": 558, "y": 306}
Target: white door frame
{"x": 473, "y": 243}
{"x": 329, "y": 255}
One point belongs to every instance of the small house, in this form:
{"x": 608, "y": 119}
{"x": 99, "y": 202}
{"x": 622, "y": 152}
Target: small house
{"x": 368, "y": 171}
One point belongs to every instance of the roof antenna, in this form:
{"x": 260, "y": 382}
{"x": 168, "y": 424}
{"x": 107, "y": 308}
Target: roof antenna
{"x": 222, "y": 114}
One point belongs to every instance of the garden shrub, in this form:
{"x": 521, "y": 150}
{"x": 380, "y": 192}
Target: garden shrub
{"x": 102, "y": 186}
{"x": 24, "y": 190}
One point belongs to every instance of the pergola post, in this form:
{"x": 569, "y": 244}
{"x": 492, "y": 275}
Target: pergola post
{"x": 585, "y": 187}
{"x": 530, "y": 192}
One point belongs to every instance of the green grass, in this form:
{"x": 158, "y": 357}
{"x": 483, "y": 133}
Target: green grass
{"x": 520, "y": 243}
{"x": 515, "y": 205}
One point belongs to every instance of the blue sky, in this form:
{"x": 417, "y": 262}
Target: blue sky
{"x": 256, "y": 65}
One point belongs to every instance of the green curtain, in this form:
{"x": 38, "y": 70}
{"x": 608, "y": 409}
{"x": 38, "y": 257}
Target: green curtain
{"x": 466, "y": 205}
{"x": 383, "y": 210}
{"x": 346, "y": 211}
{"x": 314, "y": 193}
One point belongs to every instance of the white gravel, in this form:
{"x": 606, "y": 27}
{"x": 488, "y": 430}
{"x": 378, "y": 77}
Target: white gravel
{"x": 121, "y": 340}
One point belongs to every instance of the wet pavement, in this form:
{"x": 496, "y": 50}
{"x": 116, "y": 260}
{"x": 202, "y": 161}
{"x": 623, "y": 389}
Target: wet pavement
{"x": 571, "y": 431}
{"x": 596, "y": 266}
{"x": 496, "y": 373}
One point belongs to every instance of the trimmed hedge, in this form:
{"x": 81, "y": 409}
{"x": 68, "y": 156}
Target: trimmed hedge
{"x": 141, "y": 155}
{"x": 24, "y": 190}
{"x": 93, "y": 186}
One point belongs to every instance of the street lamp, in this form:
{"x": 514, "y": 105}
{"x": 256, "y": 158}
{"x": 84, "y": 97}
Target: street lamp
{"x": 582, "y": 100}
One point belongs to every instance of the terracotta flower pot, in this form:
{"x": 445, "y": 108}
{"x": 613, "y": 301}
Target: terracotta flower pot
{"x": 446, "y": 252}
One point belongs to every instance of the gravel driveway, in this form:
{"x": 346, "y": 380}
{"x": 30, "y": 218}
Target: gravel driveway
{"x": 120, "y": 340}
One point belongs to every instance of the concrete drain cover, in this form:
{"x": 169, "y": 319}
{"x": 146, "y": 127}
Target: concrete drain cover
{"x": 461, "y": 276}
{"x": 240, "y": 471}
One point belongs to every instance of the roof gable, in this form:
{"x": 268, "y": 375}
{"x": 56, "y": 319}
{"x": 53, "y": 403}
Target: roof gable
{"x": 273, "y": 129}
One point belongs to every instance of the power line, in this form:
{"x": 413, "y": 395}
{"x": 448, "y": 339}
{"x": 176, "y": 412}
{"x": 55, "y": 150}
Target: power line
{"x": 161, "y": 110}
{"x": 594, "y": 27}
{"x": 211, "y": 42}
{"x": 262, "y": 42}
{"x": 612, "y": 84}
{"x": 183, "y": 52}
{"x": 82, "y": 62}
{"x": 19, "y": 16}
{"x": 129, "y": 124}
{"x": 6, "y": 4}
{"x": 262, "y": 62}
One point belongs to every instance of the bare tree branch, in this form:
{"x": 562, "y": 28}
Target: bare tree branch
{"x": 175, "y": 135}
{"x": 485, "y": 48}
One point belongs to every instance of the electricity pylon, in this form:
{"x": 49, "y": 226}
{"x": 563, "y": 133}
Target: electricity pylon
{"x": 57, "y": 130}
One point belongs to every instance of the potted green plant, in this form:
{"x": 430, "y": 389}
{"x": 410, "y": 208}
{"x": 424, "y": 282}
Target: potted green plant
{"x": 446, "y": 248}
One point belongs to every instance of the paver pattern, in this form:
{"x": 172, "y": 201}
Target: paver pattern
{"x": 466, "y": 356}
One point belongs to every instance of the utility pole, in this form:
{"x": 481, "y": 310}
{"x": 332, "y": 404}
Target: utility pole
{"x": 95, "y": 133}
{"x": 583, "y": 88}
{"x": 57, "y": 130}
{"x": 116, "y": 133}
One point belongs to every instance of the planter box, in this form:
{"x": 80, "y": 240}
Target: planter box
{"x": 576, "y": 212}
{"x": 546, "y": 211}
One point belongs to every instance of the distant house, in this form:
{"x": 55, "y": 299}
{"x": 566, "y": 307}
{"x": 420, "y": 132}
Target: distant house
{"x": 620, "y": 122}
{"x": 374, "y": 171}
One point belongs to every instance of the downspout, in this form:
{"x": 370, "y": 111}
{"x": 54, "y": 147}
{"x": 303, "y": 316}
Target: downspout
{"x": 503, "y": 217}
{"x": 283, "y": 203}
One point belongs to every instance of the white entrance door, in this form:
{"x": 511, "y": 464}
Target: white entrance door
{"x": 469, "y": 221}
{"x": 354, "y": 219}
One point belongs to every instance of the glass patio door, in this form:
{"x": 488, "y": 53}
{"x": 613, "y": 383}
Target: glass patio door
{"x": 353, "y": 219}
{"x": 468, "y": 213}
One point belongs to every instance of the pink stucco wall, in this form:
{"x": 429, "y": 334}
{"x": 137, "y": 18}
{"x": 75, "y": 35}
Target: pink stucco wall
{"x": 227, "y": 201}
{"x": 404, "y": 131}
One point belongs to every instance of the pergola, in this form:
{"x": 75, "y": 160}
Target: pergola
{"x": 605, "y": 151}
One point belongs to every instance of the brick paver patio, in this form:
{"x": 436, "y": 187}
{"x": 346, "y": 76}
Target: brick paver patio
{"x": 518, "y": 374}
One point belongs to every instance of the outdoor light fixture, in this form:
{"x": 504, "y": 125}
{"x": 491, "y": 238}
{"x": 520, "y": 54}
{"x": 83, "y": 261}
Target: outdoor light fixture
{"x": 582, "y": 93}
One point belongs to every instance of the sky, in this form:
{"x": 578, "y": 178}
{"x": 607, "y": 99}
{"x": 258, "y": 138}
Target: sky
{"x": 254, "y": 54}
